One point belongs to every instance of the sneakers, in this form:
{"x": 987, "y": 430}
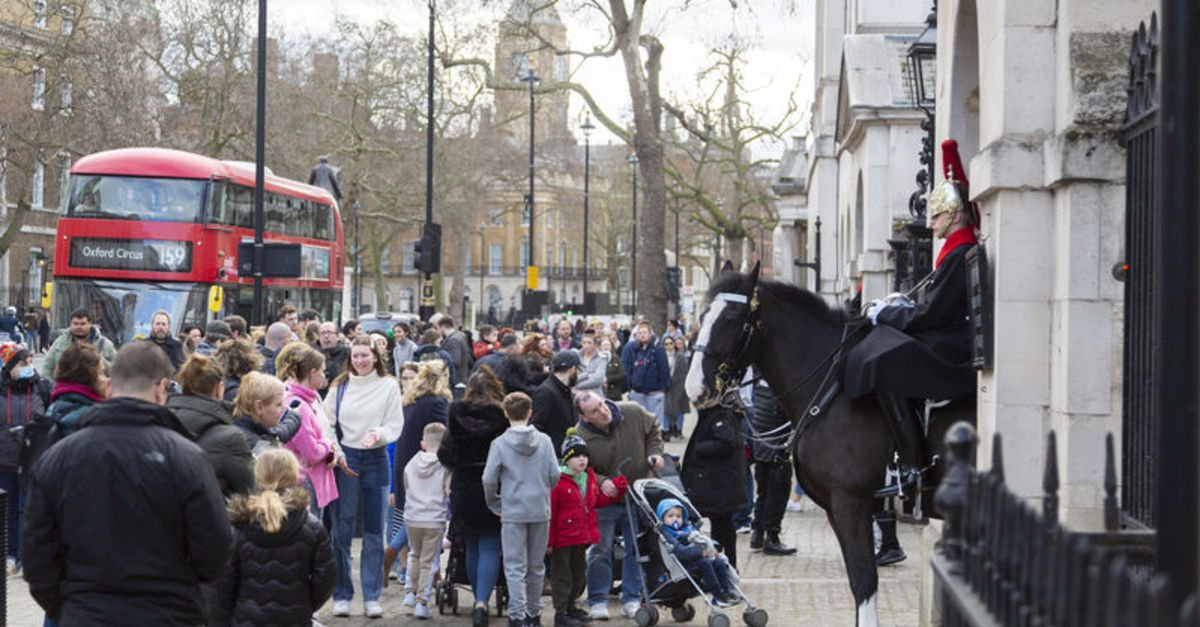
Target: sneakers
{"x": 599, "y": 611}
{"x": 341, "y": 608}
{"x": 725, "y": 600}
{"x": 422, "y": 611}
{"x": 374, "y": 609}
{"x": 795, "y": 505}
{"x": 12, "y": 566}
{"x": 744, "y": 528}
{"x": 410, "y": 599}
{"x": 629, "y": 608}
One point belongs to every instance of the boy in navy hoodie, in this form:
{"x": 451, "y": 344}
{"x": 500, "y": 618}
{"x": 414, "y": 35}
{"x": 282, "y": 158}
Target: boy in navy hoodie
{"x": 521, "y": 470}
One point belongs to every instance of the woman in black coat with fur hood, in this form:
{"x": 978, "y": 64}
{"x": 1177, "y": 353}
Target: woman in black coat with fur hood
{"x": 475, "y": 421}
{"x": 714, "y": 472}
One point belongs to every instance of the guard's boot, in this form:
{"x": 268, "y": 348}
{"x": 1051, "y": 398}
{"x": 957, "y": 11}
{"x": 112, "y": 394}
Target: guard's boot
{"x": 889, "y": 545}
{"x": 905, "y": 434}
{"x": 756, "y": 540}
{"x": 773, "y": 546}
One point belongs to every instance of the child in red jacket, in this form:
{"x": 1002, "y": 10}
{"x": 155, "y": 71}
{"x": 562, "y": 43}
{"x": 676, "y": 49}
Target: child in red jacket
{"x": 573, "y": 527}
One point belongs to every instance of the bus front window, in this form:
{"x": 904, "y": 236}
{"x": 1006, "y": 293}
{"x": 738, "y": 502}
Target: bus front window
{"x": 123, "y": 310}
{"x": 135, "y": 198}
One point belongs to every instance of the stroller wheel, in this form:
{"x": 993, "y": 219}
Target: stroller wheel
{"x": 453, "y": 594}
{"x": 439, "y": 595}
{"x": 756, "y": 617}
{"x": 653, "y": 615}
{"x": 683, "y": 613}
{"x": 717, "y": 619}
{"x": 642, "y": 617}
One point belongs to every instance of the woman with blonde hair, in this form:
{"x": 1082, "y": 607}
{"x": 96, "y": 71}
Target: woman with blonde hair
{"x": 209, "y": 418}
{"x": 282, "y": 568}
{"x": 258, "y": 410}
{"x": 426, "y": 401}
{"x": 363, "y": 403}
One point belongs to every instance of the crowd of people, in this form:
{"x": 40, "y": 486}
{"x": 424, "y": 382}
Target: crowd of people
{"x": 257, "y": 452}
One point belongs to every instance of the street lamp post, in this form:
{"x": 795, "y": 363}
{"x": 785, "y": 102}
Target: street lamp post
{"x": 916, "y": 249}
{"x": 482, "y": 262}
{"x": 531, "y": 78}
{"x": 427, "y": 303}
{"x": 633, "y": 163}
{"x": 356, "y": 306}
{"x": 587, "y": 127}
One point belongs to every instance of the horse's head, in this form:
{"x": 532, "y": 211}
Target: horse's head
{"x": 727, "y": 341}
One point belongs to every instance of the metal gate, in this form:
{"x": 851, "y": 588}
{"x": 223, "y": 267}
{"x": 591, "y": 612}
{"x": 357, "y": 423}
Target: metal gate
{"x": 1142, "y": 211}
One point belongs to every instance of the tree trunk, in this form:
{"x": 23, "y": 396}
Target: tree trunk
{"x": 735, "y": 245}
{"x": 16, "y": 219}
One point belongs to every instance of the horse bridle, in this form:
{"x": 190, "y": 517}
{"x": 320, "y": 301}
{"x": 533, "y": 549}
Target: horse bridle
{"x": 727, "y": 380}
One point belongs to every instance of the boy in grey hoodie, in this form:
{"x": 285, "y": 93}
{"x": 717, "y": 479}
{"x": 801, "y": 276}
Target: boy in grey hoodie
{"x": 521, "y": 470}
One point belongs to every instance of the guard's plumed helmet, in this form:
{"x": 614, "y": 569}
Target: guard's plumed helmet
{"x": 952, "y": 194}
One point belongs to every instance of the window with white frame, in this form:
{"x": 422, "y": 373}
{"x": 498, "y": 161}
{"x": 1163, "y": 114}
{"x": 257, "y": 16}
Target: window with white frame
{"x": 525, "y": 215}
{"x": 39, "y": 184}
{"x": 524, "y": 253}
{"x": 410, "y": 257}
{"x": 64, "y": 175}
{"x": 495, "y": 259}
{"x": 467, "y": 261}
{"x": 66, "y": 99}
{"x": 39, "y": 89}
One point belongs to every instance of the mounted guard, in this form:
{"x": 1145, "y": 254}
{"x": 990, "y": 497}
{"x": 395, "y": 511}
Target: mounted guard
{"x": 921, "y": 348}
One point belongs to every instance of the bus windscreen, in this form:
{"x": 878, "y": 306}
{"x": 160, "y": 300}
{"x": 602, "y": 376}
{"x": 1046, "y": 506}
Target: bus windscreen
{"x": 135, "y": 198}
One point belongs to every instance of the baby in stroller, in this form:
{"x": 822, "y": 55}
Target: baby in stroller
{"x": 697, "y": 552}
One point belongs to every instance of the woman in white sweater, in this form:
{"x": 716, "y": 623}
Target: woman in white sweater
{"x": 364, "y": 405}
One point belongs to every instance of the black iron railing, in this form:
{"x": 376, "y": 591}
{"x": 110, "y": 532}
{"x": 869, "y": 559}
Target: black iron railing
{"x": 1004, "y": 562}
{"x": 1141, "y": 273}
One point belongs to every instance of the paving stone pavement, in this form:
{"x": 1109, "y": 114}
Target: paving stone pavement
{"x": 809, "y": 588}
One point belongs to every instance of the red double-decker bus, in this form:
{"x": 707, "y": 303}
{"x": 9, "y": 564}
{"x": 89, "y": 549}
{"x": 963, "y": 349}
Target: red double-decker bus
{"x": 144, "y": 229}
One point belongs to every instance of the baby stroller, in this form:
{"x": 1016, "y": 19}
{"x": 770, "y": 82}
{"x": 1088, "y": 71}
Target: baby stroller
{"x": 455, "y": 575}
{"x": 667, "y": 582}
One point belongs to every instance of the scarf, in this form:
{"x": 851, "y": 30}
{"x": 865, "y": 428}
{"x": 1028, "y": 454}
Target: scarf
{"x": 961, "y": 237}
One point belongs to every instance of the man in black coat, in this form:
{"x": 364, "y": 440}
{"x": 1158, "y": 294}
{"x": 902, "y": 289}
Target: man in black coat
{"x": 553, "y": 411}
{"x": 772, "y": 475}
{"x": 126, "y": 519}
{"x": 335, "y": 352}
{"x": 714, "y": 472}
{"x": 160, "y": 335}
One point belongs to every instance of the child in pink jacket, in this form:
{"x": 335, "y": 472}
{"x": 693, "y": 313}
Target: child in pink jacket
{"x": 304, "y": 370}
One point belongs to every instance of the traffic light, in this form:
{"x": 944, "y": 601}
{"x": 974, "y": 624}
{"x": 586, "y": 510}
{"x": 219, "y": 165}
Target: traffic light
{"x": 674, "y": 281}
{"x": 427, "y": 251}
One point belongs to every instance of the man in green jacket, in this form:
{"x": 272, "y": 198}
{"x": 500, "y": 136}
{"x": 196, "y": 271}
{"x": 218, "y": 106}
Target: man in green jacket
{"x": 81, "y": 330}
{"x": 615, "y": 432}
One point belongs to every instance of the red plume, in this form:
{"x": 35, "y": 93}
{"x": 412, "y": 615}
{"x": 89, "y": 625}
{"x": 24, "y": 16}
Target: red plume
{"x": 952, "y": 167}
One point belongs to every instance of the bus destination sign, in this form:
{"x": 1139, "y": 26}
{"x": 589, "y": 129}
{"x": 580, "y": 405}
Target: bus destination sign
{"x": 136, "y": 255}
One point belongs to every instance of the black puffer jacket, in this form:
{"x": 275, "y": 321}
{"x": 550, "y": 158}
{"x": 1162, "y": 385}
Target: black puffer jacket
{"x": 211, "y": 425}
{"x": 714, "y": 464}
{"x": 21, "y": 401}
{"x": 553, "y": 412}
{"x": 124, "y": 520}
{"x": 277, "y": 578}
{"x": 425, "y": 410}
{"x": 768, "y": 420}
{"x": 464, "y": 451}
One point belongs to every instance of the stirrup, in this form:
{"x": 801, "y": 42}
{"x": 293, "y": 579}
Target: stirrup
{"x": 900, "y": 476}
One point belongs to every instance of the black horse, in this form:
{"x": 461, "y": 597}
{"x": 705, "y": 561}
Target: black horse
{"x": 792, "y": 338}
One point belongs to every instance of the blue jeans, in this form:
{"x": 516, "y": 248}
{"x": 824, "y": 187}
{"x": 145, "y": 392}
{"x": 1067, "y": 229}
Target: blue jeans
{"x": 651, "y": 402}
{"x": 599, "y": 558}
{"x": 483, "y": 564}
{"x": 371, "y": 486}
{"x": 745, "y": 517}
{"x": 10, "y": 483}
{"x": 672, "y": 422}
{"x": 399, "y": 538}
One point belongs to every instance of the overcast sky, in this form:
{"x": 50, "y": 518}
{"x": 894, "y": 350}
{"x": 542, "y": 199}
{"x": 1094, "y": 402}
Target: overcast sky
{"x": 780, "y": 31}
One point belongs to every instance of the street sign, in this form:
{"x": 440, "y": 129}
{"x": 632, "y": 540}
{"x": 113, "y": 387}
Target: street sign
{"x": 531, "y": 278}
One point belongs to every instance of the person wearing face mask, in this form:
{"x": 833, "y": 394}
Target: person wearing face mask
{"x": 552, "y": 410}
{"x": 87, "y": 560}
{"x": 26, "y": 397}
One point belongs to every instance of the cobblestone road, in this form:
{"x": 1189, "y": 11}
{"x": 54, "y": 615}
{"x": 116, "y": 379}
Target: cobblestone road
{"x": 809, "y": 588}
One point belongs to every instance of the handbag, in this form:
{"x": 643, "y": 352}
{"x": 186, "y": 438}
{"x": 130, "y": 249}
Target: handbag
{"x": 337, "y": 411}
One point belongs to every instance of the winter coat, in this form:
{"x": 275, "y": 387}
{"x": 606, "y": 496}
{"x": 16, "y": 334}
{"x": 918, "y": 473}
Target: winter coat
{"x": 10, "y": 324}
{"x": 124, "y": 521}
{"x": 646, "y": 367}
{"x": 714, "y": 463}
{"x": 173, "y": 348}
{"x": 108, "y": 352}
{"x": 68, "y": 403}
{"x": 482, "y": 348}
{"x": 676, "y": 402}
{"x": 211, "y": 424}
{"x": 459, "y": 349}
{"x": 614, "y": 379}
{"x": 403, "y": 353}
{"x": 520, "y": 374}
{"x": 521, "y": 470}
{"x": 278, "y": 578}
{"x": 335, "y": 361}
{"x": 922, "y": 351}
{"x": 592, "y": 373}
{"x": 464, "y": 452}
{"x": 430, "y": 352}
{"x": 310, "y": 445}
{"x": 553, "y": 412}
{"x": 633, "y": 433}
{"x": 491, "y": 360}
{"x": 25, "y": 400}
{"x": 426, "y": 488}
{"x": 766, "y": 417}
{"x": 423, "y": 411}
{"x": 573, "y": 518}
{"x": 268, "y": 355}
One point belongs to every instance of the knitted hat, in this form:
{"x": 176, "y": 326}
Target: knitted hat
{"x": 10, "y": 355}
{"x": 573, "y": 446}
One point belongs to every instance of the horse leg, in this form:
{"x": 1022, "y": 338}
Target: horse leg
{"x": 851, "y": 517}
